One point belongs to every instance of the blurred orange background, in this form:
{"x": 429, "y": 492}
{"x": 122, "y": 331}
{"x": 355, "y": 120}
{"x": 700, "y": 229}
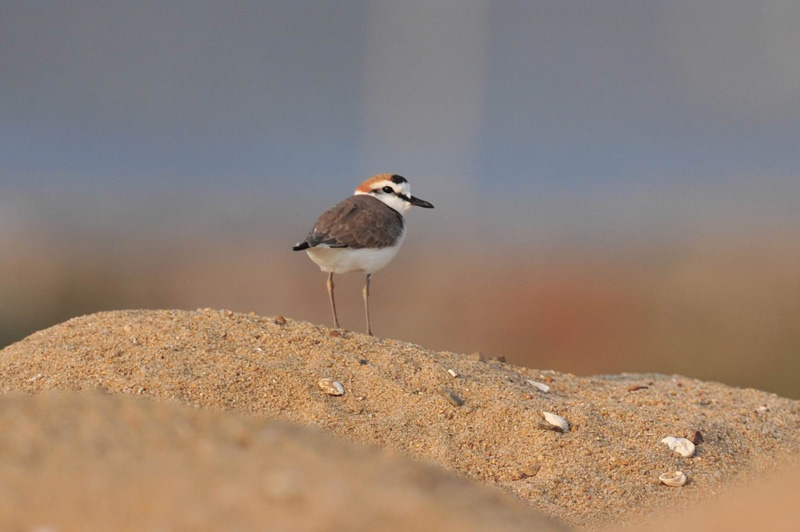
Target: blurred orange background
{"x": 616, "y": 184}
{"x": 716, "y": 304}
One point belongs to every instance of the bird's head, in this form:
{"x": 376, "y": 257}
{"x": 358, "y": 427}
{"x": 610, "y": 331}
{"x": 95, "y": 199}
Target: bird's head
{"x": 393, "y": 190}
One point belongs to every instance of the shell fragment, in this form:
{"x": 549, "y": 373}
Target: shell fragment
{"x": 556, "y": 422}
{"x": 682, "y": 446}
{"x": 331, "y": 387}
{"x": 542, "y": 387}
{"x": 673, "y": 480}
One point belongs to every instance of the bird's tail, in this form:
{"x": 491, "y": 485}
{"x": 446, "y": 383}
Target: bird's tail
{"x": 300, "y": 246}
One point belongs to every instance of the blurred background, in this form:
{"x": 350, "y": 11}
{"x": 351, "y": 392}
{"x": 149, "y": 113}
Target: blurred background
{"x": 617, "y": 183}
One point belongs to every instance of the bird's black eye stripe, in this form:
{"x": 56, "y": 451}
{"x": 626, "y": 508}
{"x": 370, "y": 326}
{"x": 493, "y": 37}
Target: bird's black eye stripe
{"x": 389, "y": 190}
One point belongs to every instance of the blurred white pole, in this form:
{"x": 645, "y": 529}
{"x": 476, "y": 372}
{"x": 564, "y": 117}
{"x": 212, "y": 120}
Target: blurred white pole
{"x": 423, "y": 94}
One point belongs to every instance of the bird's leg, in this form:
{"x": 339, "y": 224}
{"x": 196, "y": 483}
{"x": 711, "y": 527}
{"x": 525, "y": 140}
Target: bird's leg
{"x": 333, "y": 303}
{"x": 366, "y": 302}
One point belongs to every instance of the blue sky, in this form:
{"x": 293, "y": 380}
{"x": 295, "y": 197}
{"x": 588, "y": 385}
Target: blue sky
{"x": 496, "y": 98}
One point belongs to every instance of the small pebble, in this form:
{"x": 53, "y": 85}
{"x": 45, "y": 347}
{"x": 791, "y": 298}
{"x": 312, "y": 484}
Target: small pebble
{"x": 280, "y": 320}
{"x": 479, "y": 356}
{"x": 527, "y": 471}
{"x": 696, "y": 438}
{"x": 452, "y": 373}
{"x": 452, "y": 398}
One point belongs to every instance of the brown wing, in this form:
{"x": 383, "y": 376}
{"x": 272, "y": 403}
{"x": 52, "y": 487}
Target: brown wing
{"x": 358, "y": 222}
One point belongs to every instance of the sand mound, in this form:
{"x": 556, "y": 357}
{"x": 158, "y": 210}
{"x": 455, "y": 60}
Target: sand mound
{"x": 402, "y": 396}
{"x": 99, "y": 462}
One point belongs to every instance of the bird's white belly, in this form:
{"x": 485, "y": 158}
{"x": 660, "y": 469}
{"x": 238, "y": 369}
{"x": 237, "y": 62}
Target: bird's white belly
{"x": 343, "y": 260}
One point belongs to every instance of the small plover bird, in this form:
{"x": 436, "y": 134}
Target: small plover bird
{"x": 363, "y": 232}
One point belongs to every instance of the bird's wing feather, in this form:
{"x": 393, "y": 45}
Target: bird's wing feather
{"x": 357, "y": 222}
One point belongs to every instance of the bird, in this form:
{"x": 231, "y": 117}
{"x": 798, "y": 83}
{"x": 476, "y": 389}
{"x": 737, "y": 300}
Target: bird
{"x": 362, "y": 233}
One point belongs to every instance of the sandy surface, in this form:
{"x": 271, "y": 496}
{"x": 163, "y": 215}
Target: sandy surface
{"x": 767, "y": 504}
{"x": 603, "y": 472}
{"x": 100, "y": 462}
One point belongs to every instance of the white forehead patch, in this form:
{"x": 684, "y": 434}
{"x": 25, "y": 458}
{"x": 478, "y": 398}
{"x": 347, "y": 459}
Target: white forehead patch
{"x": 400, "y": 188}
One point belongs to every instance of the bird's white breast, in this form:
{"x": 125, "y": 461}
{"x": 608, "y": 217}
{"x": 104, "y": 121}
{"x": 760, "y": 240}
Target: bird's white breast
{"x": 343, "y": 260}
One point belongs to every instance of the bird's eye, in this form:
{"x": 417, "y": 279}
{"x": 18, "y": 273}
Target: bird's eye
{"x": 388, "y": 190}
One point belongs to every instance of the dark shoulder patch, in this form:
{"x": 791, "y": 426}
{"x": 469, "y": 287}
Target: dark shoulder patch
{"x": 398, "y": 179}
{"x": 360, "y": 221}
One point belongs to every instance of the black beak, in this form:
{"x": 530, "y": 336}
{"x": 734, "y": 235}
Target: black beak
{"x": 420, "y": 203}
